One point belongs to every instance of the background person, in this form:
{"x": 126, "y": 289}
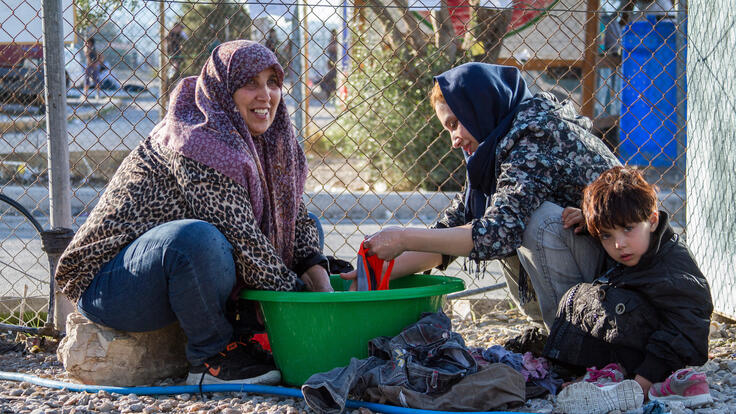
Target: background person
{"x": 526, "y": 156}
{"x": 175, "y": 48}
{"x": 92, "y": 70}
{"x": 209, "y": 203}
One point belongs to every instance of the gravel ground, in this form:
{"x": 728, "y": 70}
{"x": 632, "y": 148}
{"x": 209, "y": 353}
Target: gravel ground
{"x": 482, "y": 323}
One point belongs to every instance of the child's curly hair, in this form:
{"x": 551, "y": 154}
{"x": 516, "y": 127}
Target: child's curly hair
{"x": 619, "y": 197}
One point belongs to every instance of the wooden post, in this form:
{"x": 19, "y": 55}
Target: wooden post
{"x": 307, "y": 90}
{"x": 163, "y": 75}
{"x": 590, "y": 58}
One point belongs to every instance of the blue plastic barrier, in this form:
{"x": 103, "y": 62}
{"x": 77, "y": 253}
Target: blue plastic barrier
{"x": 648, "y": 125}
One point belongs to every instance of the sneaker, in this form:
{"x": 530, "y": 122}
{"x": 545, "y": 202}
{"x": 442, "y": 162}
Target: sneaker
{"x": 591, "y": 398}
{"x": 686, "y": 386}
{"x": 609, "y": 374}
{"x": 238, "y": 363}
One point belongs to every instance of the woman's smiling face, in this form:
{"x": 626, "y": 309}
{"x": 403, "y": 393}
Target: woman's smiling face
{"x": 459, "y": 136}
{"x": 258, "y": 100}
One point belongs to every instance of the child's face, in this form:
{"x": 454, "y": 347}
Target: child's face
{"x": 628, "y": 244}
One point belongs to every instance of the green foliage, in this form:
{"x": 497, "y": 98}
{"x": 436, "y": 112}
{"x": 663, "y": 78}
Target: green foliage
{"x": 208, "y": 25}
{"x": 389, "y": 120}
{"x": 92, "y": 13}
{"x": 29, "y": 319}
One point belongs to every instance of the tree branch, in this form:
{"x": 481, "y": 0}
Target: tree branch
{"x": 393, "y": 33}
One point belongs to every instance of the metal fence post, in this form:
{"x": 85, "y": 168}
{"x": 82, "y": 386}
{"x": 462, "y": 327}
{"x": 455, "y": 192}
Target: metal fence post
{"x": 58, "y": 147}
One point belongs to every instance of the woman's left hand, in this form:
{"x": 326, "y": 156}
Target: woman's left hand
{"x": 387, "y": 244}
{"x": 317, "y": 279}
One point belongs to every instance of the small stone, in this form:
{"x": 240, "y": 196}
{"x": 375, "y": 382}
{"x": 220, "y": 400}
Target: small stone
{"x": 731, "y": 366}
{"x": 230, "y": 411}
{"x": 196, "y": 407}
{"x": 16, "y": 392}
{"x": 166, "y": 406}
{"x": 183, "y": 397}
{"x": 136, "y": 408}
{"x": 676, "y": 407}
{"x": 710, "y": 366}
{"x": 105, "y": 407}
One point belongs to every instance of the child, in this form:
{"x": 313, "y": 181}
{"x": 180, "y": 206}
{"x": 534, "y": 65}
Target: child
{"x": 646, "y": 314}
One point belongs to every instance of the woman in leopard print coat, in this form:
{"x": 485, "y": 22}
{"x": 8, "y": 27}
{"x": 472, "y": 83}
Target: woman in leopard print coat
{"x": 209, "y": 203}
{"x": 527, "y": 157}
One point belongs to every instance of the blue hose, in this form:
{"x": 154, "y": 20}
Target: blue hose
{"x": 194, "y": 389}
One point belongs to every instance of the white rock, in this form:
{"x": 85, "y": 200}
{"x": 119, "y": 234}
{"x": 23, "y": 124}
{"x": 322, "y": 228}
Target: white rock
{"x": 95, "y": 354}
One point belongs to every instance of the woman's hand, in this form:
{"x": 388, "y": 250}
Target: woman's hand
{"x": 573, "y": 217}
{"x": 387, "y": 244}
{"x": 317, "y": 279}
{"x": 351, "y": 275}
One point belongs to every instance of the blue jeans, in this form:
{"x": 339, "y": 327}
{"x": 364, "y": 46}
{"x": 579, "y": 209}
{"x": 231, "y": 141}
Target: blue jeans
{"x": 178, "y": 271}
{"x": 555, "y": 258}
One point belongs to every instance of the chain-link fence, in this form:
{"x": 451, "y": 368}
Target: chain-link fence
{"x": 357, "y": 78}
{"x": 711, "y": 170}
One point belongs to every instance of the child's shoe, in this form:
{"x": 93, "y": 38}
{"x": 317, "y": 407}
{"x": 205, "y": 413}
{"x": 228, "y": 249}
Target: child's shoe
{"x": 686, "y": 386}
{"x": 600, "y": 398}
{"x": 609, "y": 374}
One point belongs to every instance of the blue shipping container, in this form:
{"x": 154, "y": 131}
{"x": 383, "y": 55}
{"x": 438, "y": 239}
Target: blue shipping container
{"x": 648, "y": 125}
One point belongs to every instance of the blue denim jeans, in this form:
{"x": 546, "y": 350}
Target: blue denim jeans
{"x": 555, "y": 258}
{"x": 178, "y": 271}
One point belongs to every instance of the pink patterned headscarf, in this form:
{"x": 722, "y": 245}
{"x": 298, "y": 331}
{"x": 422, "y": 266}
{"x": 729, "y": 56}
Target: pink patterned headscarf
{"x": 204, "y": 124}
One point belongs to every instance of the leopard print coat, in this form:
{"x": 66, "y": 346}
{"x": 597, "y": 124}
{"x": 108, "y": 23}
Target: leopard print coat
{"x": 155, "y": 185}
{"x": 547, "y": 155}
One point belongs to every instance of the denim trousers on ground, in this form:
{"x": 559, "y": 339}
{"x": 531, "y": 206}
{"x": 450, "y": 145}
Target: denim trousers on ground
{"x": 181, "y": 270}
{"x": 555, "y": 258}
{"x": 426, "y": 357}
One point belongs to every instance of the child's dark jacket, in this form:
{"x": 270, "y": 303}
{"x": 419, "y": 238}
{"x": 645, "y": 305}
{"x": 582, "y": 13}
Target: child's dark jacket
{"x": 653, "y": 318}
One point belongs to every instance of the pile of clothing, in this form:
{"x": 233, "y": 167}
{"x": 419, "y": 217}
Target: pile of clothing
{"x": 428, "y": 366}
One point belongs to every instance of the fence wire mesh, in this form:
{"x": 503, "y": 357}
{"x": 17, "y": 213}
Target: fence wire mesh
{"x": 357, "y": 78}
{"x": 711, "y": 177}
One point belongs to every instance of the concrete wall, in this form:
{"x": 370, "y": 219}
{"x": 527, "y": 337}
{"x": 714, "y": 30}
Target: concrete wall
{"x": 711, "y": 152}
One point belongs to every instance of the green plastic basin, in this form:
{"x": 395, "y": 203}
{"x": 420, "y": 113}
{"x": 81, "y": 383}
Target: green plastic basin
{"x": 313, "y": 332}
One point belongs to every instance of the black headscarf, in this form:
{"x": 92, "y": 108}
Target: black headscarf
{"x": 485, "y": 99}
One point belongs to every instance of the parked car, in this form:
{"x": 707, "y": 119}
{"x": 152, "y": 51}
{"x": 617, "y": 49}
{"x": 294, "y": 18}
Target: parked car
{"x": 22, "y": 84}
